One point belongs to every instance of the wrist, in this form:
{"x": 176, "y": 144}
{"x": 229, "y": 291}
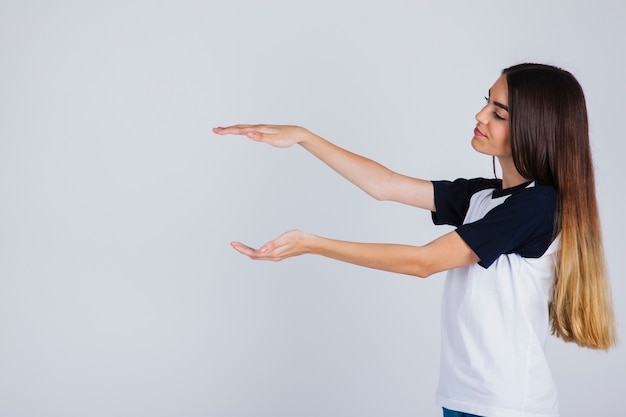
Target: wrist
{"x": 312, "y": 243}
{"x": 305, "y": 136}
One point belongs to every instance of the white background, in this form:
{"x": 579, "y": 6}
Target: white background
{"x": 119, "y": 292}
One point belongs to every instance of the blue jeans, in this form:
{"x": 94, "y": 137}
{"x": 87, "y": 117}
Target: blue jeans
{"x": 450, "y": 413}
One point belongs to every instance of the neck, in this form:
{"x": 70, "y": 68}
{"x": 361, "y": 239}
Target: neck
{"x": 510, "y": 176}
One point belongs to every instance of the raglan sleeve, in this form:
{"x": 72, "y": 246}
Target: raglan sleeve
{"x": 452, "y": 198}
{"x": 523, "y": 224}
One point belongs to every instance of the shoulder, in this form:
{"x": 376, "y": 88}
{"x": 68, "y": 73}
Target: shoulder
{"x": 535, "y": 195}
{"x": 527, "y": 205}
{"x": 516, "y": 220}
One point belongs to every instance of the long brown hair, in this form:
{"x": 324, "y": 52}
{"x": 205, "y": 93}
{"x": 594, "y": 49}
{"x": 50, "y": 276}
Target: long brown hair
{"x": 549, "y": 136}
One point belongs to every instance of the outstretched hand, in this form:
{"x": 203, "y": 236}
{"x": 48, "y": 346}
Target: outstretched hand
{"x": 279, "y": 136}
{"x": 292, "y": 243}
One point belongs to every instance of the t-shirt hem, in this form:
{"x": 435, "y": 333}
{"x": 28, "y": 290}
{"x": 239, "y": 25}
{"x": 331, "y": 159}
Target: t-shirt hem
{"x": 481, "y": 410}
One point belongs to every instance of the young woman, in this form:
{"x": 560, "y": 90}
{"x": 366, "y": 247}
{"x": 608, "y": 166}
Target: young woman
{"x": 526, "y": 257}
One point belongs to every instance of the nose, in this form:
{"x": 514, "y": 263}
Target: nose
{"x": 481, "y": 116}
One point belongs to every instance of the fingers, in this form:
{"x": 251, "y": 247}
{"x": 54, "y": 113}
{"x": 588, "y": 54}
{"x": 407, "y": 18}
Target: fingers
{"x": 254, "y": 132}
{"x": 241, "y": 248}
{"x": 271, "y": 251}
{"x": 263, "y": 253}
{"x": 232, "y": 130}
{"x": 241, "y": 129}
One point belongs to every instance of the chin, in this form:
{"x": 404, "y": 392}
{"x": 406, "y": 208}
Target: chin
{"x": 473, "y": 143}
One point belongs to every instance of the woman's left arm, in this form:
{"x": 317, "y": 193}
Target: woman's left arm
{"x": 446, "y": 252}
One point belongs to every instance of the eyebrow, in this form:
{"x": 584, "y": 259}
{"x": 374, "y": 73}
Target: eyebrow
{"x": 502, "y": 106}
{"x": 497, "y": 104}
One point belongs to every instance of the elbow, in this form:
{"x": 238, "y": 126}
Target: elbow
{"x": 425, "y": 268}
{"x": 378, "y": 195}
{"x": 422, "y": 271}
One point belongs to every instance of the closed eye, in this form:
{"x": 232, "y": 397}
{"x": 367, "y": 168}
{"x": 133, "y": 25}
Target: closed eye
{"x": 495, "y": 113}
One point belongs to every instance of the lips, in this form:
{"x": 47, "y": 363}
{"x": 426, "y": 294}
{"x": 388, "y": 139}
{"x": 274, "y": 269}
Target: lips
{"x": 478, "y": 132}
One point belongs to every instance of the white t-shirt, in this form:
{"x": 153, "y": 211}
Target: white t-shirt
{"x": 495, "y": 319}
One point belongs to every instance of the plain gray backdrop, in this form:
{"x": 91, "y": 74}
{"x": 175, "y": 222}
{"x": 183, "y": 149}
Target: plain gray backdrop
{"x": 119, "y": 292}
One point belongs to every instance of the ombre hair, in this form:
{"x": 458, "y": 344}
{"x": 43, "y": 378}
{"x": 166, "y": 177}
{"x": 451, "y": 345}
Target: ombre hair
{"x": 549, "y": 137}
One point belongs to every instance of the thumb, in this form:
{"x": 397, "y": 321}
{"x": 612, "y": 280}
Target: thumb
{"x": 257, "y": 136}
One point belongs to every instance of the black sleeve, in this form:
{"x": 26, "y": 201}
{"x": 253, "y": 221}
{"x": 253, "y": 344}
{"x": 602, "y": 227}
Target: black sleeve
{"x": 523, "y": 224}
{"x": 452, "y": 198}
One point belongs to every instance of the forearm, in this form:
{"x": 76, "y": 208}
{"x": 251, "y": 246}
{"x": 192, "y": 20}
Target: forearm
{"x": 402, "y": 259}
{"x": 370, "y": 176}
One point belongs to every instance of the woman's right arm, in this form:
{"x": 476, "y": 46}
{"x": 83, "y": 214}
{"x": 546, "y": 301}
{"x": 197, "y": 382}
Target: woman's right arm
{"x": 370, "y": 176}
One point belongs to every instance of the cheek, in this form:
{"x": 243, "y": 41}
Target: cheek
{"x": 506, "y": 140}
{"x": 503, "y": 135}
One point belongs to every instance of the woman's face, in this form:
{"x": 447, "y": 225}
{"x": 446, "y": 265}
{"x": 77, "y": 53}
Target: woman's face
{"x": 491, "y": 135}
